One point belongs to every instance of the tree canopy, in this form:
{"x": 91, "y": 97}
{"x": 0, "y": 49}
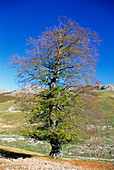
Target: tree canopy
{"x": 62, "y": 60}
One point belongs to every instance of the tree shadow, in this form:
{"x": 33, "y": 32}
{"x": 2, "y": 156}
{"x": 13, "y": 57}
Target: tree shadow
{"x": 14, "y": 155}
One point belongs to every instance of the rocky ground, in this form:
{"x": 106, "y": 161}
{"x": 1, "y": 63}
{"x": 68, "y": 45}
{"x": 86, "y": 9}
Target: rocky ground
{"x": 35, "y": 164}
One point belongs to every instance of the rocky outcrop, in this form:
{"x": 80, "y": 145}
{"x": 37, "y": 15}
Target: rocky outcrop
{"x": 108, "y": 87}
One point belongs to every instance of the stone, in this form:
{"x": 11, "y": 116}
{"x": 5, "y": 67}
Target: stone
{"x": 108, "y": 87}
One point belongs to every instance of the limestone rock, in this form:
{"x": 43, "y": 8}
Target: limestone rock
{"x": 108, "y": 87}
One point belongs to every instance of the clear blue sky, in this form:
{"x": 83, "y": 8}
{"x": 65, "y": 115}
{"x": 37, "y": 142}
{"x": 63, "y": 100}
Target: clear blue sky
{"x": 21, "y": 19}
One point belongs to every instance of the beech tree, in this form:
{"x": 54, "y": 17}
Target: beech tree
{"x": 62, "y": 60}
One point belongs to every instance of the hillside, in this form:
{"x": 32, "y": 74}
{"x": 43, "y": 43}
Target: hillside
{"x": 98, "y": 147}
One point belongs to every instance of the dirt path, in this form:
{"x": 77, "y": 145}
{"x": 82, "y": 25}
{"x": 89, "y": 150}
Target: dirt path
{"x": 93, "y": 165}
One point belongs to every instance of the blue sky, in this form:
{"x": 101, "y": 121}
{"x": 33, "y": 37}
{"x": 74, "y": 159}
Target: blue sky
{"x": 22, "y": 19}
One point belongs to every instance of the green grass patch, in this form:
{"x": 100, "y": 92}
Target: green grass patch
{"x": 5, "y": 105}
{"x": 16, "y": 141}
{"x": 11, "y": 117}
{"x": 106, "y": 102}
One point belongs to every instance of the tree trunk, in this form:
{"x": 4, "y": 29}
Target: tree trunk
{"x": 56, "y": 148}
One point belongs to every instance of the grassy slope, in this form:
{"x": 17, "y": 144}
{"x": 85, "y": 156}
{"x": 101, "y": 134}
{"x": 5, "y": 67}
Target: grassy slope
{"x": 107, "y": 107}
{"x": 5, "y": 105}
{"x": 106, "y": 117}
{"x": 106, "y": 101}
{"x": 10, "y": 122}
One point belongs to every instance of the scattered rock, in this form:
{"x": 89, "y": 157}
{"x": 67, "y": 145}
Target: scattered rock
{"x": 36, "y": 164}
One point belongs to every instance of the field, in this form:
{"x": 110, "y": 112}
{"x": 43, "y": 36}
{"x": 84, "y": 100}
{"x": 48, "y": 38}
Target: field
{"x": 98, "y": 148}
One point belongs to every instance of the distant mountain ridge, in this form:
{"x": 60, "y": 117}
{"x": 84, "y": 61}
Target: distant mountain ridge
{"x": 29, "y": 89}
{"x": 35, "y": 89}
{"x": 4, "y": 90}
